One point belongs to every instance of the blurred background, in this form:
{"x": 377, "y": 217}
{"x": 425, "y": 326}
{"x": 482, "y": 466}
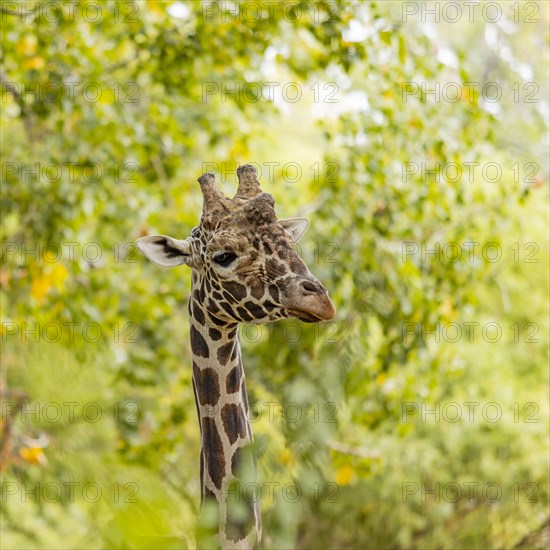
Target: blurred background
{"x": 414, "y": 135}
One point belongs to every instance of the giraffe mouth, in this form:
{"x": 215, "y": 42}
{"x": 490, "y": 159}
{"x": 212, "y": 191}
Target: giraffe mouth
{"x": 305, "y": 316}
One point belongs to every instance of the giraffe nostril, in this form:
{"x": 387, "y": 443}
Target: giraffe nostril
{"x": 310, "y": 288}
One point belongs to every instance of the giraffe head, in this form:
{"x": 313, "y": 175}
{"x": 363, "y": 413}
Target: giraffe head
{"x": 245, "y": 266}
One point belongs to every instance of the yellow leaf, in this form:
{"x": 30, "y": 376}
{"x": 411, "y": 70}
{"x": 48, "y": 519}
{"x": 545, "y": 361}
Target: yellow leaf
{"x": 40, "y": 286}
{"x": 33, "y": 455}
{"x": 27, "y": 45}
{"x": 285, "y": 457}
{"x": 154, "y": 5}
{"x": 344, "y": 475}
{"x": 59, "y": 275}
{"x": 34, "y": 63}
{"x": 239, "y": 150}
{"x": 108, "y": 97}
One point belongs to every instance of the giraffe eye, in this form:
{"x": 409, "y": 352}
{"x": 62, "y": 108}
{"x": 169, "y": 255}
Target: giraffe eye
{"x": 225, "y": 258}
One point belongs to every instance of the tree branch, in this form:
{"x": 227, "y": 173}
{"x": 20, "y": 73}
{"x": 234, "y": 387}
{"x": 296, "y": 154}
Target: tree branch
{"x": 355, "y": 451}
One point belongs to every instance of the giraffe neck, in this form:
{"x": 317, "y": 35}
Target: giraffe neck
{"x": 222, "y": 406}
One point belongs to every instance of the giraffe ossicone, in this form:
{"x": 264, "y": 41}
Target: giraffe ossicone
{"x": 245, "y": 269}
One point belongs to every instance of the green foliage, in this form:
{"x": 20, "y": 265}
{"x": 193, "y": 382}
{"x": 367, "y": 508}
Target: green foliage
{"x": 328, "y": 401}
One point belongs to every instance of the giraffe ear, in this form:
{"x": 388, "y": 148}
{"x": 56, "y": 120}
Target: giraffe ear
{"x": 165, "y": 251}
{"x": 296, "y": 227}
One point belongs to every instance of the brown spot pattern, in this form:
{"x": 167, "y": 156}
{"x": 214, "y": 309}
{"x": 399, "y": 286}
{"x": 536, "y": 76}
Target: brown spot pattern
{"x": 236, "y": 460}
{"x": 198, "y": 344}
{"x": 208, "y": 385}
{"x": 233, "y": 422}
{"x": 236, "y": 290}
{"x": 213, "y": 448}
{"x": 198, "y": 314}
{"x": 214, "y": 333}
{"x": 244, "y": 315}
{"x": 274, "y": 291}
{"x": 255, "y": 310}
{"x": 216, "y": 321}
{"x": 228, "y": 309}
{"x": 257, "y": 291}
{"x": 274, "y": 268}
{"x": 224, "y": 352}
{"x": 298, "y": 267}
{"x": 233, "y": 380}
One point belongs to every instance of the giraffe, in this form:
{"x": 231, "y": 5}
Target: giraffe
{"x": 244, "y": 268}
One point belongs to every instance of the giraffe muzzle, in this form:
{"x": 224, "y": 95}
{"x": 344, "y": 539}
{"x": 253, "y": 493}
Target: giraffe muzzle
{"x": 309, "y": 301}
